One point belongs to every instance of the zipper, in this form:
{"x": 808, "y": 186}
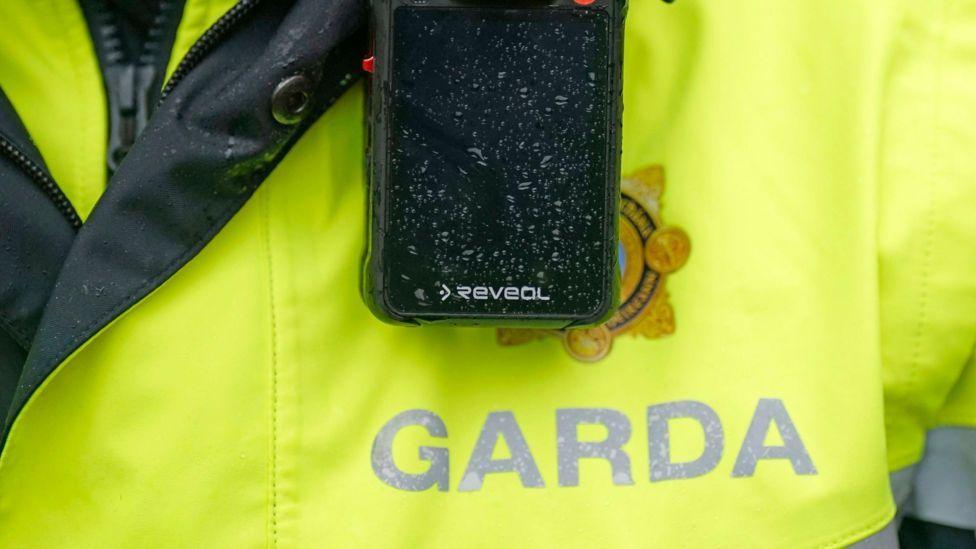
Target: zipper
{"x": 131, "y": 82}
{"x": 43, "y": 181}
{"x": 207, "y": 42}
{"x": 131, "y": 88}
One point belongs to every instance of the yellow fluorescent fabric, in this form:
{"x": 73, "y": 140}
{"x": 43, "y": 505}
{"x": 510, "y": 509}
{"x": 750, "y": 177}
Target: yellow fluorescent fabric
{"x": 928, "y": 228}
{"x": 50, "y": 74}
{"x": 238, "y": 405}
{"x": 960, "y": 407}
{"x": 198, "y": 16}
{"x": 194, "y": 479}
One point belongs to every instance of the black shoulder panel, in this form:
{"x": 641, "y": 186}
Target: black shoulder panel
{"x": 206, "y": 150}
{"x": 11, "y": 361}
{"x": 34, "y": 241}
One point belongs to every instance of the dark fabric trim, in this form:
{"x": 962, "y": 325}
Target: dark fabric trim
{"x": 34, "y": 240}
{"x": 12, "y": 128}
{"x": 12, "y": 358}
{"x": 206, "y": 150}
{"x": 919, "y": 534}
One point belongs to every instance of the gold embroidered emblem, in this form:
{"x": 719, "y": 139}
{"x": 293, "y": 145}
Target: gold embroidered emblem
{"x": 649, "y": 252}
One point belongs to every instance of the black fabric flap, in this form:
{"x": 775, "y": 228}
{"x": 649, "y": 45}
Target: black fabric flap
{"x": 34, "y": 241}
{"x": 206, "y": 150}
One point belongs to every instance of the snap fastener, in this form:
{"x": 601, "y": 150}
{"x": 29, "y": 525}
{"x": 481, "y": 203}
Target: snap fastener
{"x": 291, "y": 99}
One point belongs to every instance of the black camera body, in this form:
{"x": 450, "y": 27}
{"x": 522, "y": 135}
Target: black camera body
{"x": 493, "y": 160}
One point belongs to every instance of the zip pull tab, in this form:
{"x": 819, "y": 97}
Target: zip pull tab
{"x": 130, "y": 89}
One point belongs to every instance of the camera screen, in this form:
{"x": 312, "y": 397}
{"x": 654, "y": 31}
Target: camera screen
{"x": 499, "y": 168}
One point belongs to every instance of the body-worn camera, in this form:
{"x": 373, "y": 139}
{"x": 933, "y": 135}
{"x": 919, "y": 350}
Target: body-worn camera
{"x": 493, "y": 160}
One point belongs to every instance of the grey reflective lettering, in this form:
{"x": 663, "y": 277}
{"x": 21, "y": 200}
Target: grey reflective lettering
{"x": 481, "y": 463}
{"x": 511, "y": 294}
{"x": 659, "y": 440}
{"x": 569, "y": 449}
{"x": 464, "y": 291}
{"x": 769, "y": 411}
{"x": 382, "y": 454}
{"x": 480, "y": 292}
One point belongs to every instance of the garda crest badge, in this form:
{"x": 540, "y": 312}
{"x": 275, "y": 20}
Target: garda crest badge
{"x": 649, "y": 251}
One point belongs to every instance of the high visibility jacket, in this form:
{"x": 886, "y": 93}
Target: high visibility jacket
{"x": 193, "y": 366}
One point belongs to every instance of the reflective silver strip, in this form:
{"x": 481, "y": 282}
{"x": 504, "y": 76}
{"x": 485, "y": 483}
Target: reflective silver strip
{"x": 902, "y": 483}
{"x": 887, "y": 538}
{"x": 944, "y": 485}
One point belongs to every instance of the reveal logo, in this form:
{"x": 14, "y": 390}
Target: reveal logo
{"x": 508, "y": 293}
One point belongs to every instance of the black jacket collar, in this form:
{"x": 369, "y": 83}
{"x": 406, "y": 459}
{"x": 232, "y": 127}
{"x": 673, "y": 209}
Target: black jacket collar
{"x": 160, "y": 209}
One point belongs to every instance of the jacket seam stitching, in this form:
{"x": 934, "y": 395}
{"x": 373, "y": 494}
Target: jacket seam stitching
{"x": 929, "y": 235}
{"x": 266, "y": 226}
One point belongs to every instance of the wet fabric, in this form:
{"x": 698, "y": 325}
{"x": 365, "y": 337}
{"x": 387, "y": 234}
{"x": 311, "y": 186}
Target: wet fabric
{"x": 51, "y": 76}
{"x": 160, "y": 212}
{"x": 34, "y": 240}
{"x": 247, "y": 397}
